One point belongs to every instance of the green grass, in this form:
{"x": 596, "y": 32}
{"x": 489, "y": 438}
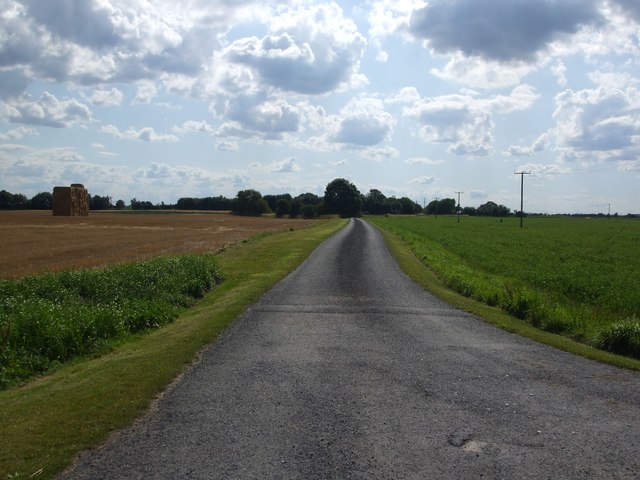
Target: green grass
{"x": 44, "y": 424}
{"x": 576, "y": 277}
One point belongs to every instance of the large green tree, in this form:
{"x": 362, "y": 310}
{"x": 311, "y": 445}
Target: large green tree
{"x": 342, "y": 197}
{"x": 249, "y": 202}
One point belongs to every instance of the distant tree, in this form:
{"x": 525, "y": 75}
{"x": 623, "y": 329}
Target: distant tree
{"x": 272, "y": 200}
{"x": 96, "y": 202}
{"x": 41, "y": 201}
{"x": 375, "y": 203}
{"x": 310, "y": 211}
{"x": 409, "y": 207}
{"x": 249, "y": 202}
{"x": 471, "y": 211}
{"x": 187, "y": 203}
{"x": 206, "y": 203}
{"x": 283, "y": 207}
{"x": 445, "y": 206}
{"x": 142, "y": 205}
{"x": 342, "y": 197}
{"x": 295, "y": 208}
{"x": 492, "y": 209}
{"x": 120, "y": 205}
{"x": 308, "y": 198}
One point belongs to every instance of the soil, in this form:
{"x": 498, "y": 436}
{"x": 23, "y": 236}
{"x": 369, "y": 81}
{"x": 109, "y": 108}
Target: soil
{"x": 34, "y": 242}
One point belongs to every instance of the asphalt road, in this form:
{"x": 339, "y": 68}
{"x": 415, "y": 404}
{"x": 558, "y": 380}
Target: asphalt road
{"x": 346, "y": 369}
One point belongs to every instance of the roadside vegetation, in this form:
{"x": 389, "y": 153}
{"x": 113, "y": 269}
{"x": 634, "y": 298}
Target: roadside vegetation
{"x": 48, "y": 421}
{"x": 49, "y": 319}
{"x": 575, "y": 277}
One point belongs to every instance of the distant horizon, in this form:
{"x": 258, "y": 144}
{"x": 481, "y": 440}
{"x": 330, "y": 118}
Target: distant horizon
{"x": 415, "y": 98}
{"x": 173, "y": 205}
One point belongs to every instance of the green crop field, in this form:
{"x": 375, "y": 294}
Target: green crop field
{"x": 575, "y": 276}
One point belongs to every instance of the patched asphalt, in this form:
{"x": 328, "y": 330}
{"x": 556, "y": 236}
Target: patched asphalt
{"x": 348, "y": 370}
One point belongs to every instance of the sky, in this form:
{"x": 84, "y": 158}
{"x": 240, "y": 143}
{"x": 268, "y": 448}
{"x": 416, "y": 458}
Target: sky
{"x": 157, "y": 99}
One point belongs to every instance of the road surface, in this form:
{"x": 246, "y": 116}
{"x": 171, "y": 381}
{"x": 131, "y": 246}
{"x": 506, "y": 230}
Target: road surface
{"x": 348, "y": 370}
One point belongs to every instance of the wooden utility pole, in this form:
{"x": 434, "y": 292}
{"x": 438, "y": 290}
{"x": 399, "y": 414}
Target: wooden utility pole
{"x": 522, "y": 174}
{"x": 458, "y": 209}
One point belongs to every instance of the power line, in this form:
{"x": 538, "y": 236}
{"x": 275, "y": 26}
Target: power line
{"x": 522, "y": 174}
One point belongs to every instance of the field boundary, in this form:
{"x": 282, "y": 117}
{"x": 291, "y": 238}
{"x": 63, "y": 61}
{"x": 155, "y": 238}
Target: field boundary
{"x": 426, "y": 278}
{"x": 46, "y": 423}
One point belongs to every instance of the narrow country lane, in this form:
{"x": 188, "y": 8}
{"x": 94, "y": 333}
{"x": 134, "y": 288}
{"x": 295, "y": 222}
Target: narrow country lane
{"x": 348, "y": 370}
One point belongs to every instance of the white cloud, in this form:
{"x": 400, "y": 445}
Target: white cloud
{"x": 288, "y": 165}
{"x": 598, "y": 124}
{"x": 257, "y": 115}
{"x": 310, "y": 50}
{"x": 559, "y": 70}
{"x": 227, "y": 146}
{"x": 465, "y": 121}
{"x": 146, "y": 134}
{"x": 46, "y": 111}
{"x": 541, "y": 143}
{"x": 544, "y": 170}
{"x": 480, "y": 72}
{"x": 146, "y": 91}
{"x": 425, "y": 180}
{"x": 17, "y": 133}
{"x": 379, "y": 153}
{"x": 363, "y": 122}
{"x": 423, "y": 161}
{"x": 107, "y": 98}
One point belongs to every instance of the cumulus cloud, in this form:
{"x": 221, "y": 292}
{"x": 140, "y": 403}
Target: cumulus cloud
{"x": 227, "y": 146}
{"x": 97, "y": 41}
{"x": 146, "y": 134}
{"x": 423, "y": 161}
{"x": 47, "y": 110}
{"x": 541, "y": 144}
{"x": 425, "y": 180}
{"x": 364, "y": 122}
{"x": 107, "y": 98}
{"x": 598, "y": 124}
{"x": 258, "y": 115}
{"x": 17, "y": 134}
{"x": 544, "y": 170}
{"x": 310, "y": 50}
{"x": 379, "y": 153}
{"x": 482, "y": 73}
{"x": 498, "y": 30}
{"x": 285, "y": 166}
{"x": 465, "y": 121}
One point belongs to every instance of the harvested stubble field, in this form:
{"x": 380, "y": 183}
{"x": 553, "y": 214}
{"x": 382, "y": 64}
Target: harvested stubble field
{"x": 35, "y": 242}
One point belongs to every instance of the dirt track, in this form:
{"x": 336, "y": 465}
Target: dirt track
{"x": 346, "y": 369}
{"x": 35, "y": 241}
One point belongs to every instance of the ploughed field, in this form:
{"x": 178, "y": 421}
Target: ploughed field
{"x": 576, "y": 276}
{"x": 35, "y": 242}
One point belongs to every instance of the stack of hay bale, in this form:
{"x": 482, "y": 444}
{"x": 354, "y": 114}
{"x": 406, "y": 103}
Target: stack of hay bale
{"x": 71, "y": 201}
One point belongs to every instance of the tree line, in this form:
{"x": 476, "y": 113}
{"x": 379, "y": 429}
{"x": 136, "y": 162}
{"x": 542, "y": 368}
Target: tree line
{"x": 341, "y": 197}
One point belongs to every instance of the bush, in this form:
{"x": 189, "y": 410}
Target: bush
{"x": 620, "y": 337}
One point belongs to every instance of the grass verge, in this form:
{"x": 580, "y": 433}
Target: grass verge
{"x": 420, "y": 274}
{"x": 44, "y": 424}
